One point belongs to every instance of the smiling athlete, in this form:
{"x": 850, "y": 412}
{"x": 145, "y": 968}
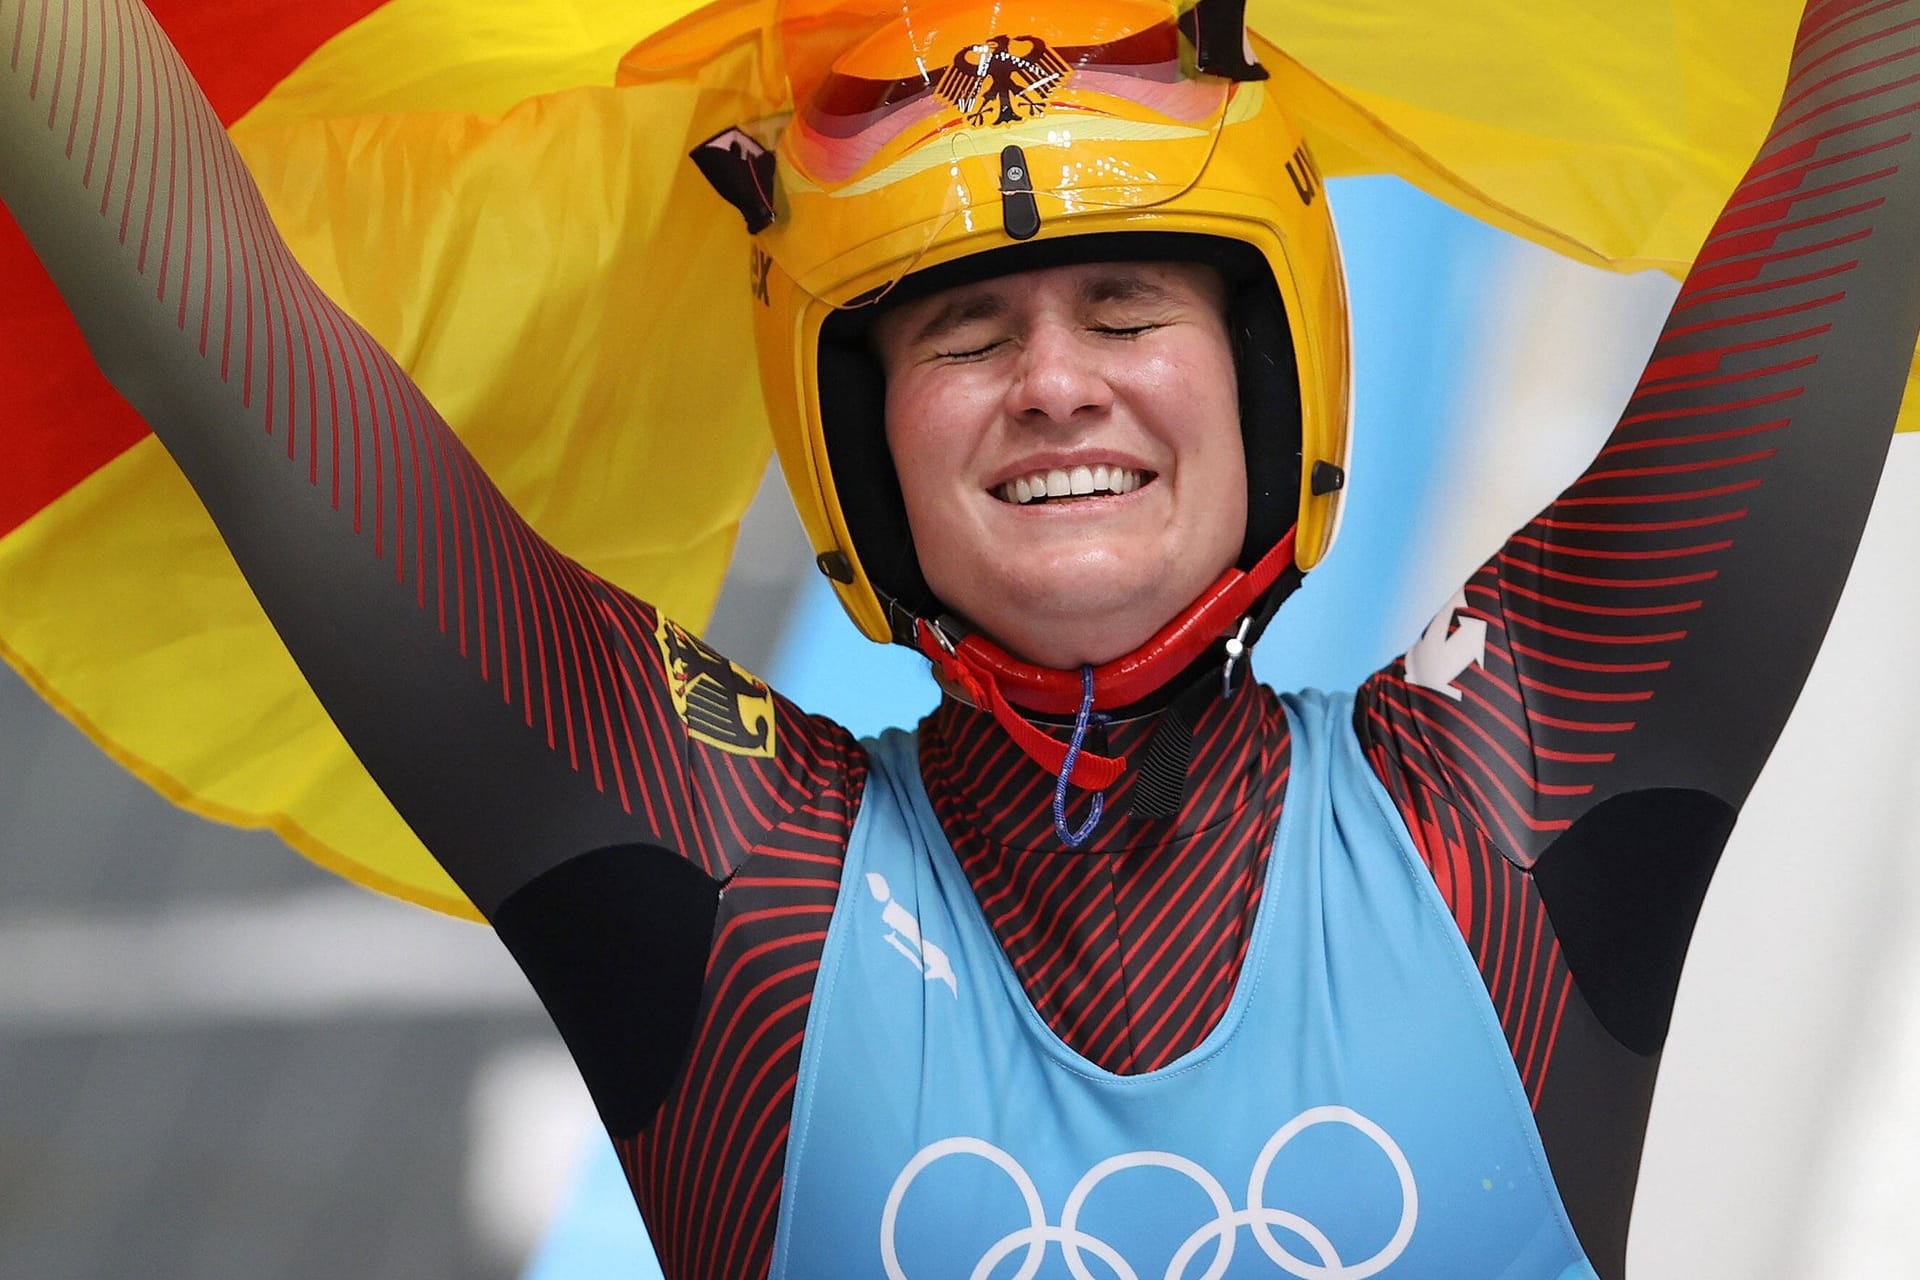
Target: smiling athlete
{"x": 1121, "y": 956}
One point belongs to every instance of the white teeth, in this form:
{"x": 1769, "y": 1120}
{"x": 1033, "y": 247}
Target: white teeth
{"x": 1062, "y": 483}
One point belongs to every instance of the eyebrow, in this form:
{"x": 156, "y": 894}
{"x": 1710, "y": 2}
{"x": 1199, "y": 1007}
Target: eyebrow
{"x": 991, "y": 303}
{"x": 1123, "y": 287}
{"x": 987, "y": 305}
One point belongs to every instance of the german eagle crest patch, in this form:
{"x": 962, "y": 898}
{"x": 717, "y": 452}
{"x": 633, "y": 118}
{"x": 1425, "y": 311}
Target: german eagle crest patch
{"x": 720, "y": 703}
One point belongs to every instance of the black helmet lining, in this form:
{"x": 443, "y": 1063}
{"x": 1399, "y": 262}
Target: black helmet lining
{"x": 853, "y": 395}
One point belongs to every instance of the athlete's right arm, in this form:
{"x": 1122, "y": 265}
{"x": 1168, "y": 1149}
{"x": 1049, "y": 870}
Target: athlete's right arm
{"x": 515, "y": 708}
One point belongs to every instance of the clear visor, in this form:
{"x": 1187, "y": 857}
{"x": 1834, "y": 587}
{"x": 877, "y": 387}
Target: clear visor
{"x": 903, "y": 143}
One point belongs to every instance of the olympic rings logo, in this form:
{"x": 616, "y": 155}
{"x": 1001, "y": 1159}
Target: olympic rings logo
{"x": 1223, "y": 1232}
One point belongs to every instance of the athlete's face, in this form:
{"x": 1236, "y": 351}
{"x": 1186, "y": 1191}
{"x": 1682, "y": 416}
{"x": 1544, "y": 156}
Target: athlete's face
{"x": 1068, "y": 444}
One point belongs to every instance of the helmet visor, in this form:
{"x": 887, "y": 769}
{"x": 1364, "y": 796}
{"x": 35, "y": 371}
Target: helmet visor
{"x": 908, "y": 131}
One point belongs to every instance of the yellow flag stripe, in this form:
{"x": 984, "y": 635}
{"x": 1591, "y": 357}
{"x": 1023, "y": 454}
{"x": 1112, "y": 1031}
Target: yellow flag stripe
{"x": 178, "y": 676}
{"x": 283, "y": 825}
{"x": 547, "y": 276}
{"x": 471, "y": 57}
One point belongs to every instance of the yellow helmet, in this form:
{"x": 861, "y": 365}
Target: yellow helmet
{"x": 962, "y": 139}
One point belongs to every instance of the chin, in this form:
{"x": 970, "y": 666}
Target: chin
{"x": 1069, "y": 628}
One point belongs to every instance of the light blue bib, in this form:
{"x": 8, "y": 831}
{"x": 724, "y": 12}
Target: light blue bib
{"x": 1356, "y": 1113}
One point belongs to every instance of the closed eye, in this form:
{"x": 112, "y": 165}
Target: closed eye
{"x": 970, "y": 353}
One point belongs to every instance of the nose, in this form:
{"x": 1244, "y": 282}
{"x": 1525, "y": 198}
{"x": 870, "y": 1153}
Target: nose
{"x": 1058, "y": 379}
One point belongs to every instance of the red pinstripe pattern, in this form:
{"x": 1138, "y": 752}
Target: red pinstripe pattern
{"x": 707, "y": 1171}
{"x": 1587, "y": 607}
{"x": 571, "y": 657}
{"x": 1128, "y": 946}
{"x": 39, "y": 48}
{"x": 133, "y": 147}
{"x": 574, "y": 661}
{"x": 79, "y": 84}
{"x": 1494, "y": 902}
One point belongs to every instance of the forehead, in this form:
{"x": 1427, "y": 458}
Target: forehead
{"x": 1172, "y": 284}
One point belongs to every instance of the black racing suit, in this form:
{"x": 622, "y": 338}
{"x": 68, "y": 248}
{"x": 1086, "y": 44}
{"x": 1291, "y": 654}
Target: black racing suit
{"x": 668, "y": 895}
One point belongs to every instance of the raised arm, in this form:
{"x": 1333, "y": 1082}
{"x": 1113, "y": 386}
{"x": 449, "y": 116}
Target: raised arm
{"x": 1571, "y": 742}
{"x": 519, "y": 711}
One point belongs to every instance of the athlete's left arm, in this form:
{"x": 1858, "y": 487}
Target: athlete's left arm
{"x": 1645, "y": 636}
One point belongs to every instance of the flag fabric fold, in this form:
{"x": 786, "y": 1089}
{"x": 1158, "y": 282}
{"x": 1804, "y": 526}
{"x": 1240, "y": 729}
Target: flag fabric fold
{"x": 499, "y": 191}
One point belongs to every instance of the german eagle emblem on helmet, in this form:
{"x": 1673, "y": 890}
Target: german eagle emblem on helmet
{"x": 1012, "y": 76}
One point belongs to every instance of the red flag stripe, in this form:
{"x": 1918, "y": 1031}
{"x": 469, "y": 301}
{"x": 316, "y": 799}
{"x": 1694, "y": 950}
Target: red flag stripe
{"x": 64, "y": 421}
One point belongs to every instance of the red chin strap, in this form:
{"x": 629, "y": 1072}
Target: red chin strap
{"x": 994, "y": 679}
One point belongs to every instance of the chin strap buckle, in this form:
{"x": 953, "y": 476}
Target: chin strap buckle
{"x": 1236, "y": 655}
{"x": 940, "y": 636}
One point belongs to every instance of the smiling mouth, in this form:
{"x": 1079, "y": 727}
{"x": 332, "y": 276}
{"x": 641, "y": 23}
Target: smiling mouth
{"x": 1067, "y": 484}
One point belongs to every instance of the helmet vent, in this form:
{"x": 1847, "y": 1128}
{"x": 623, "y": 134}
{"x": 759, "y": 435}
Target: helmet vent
{"x": 741, "y": 170}
{"x": 1019, "y": 214}
{"x": 1218, "y": 30}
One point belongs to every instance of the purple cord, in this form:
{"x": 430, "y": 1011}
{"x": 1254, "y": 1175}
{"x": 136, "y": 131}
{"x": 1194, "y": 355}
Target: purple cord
{"x": 1071, "y": 838}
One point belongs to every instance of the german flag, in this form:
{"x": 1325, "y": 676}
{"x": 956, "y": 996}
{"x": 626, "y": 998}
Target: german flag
{"x": 513, "y": 229}
{"x": 499, "y": 191}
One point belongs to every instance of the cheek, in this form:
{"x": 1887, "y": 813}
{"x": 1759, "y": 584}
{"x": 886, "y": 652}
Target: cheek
{"x": 914, "y": 440}
{"x": 926, "y": 453}
{"x": 1222, "y": 518}
{"x": 1203, "y": 405}
{"x": 1196, "y": 393}
{"x": 1231, "y": 482}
